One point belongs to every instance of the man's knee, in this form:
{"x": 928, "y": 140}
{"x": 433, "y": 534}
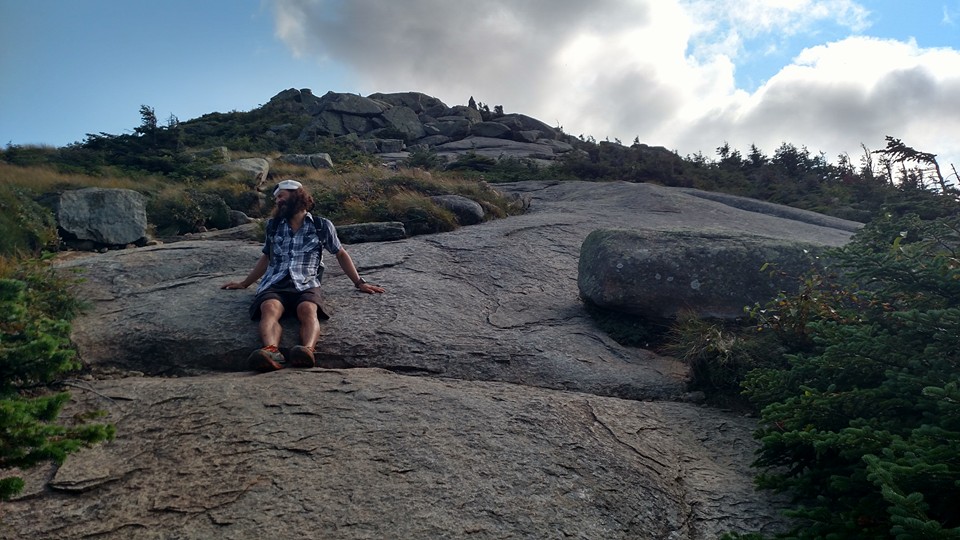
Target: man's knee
{"x": 271, "y": 308}
{"x": 306, "y": 310}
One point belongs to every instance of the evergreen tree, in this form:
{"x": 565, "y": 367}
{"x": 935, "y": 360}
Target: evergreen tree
{"x": 34, "y": 352}
{"x": 863, "y": 427}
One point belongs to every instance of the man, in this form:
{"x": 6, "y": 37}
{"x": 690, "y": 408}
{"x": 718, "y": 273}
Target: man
{"x": 292, "y": 257}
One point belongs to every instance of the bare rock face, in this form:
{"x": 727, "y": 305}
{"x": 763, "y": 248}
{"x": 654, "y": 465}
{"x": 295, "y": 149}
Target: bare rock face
{"x": 104, "y": 216}
{"x": 370, "y": 454}
{"x": 525, "y": 421}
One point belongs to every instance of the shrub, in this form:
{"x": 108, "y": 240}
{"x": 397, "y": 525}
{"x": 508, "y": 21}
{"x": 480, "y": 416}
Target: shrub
{"x": 234, "y": 195}
{"x": 521, "y": 170}
{"x": 720, "y": 354}
{"x": 27, "y": 226}
{"x": 35, "y": 352}
{"x": 425, "y": 185}
{"x": 424, "y": 159}
{"x": 471, "y": 162}
{"x": 862, "y": 427}
{"x": 176, "y": 212}
{"x": 418, "y": 214}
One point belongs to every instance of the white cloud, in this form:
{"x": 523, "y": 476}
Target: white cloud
{"x": 835, "y": 96}
{"x": 662, "y": 70}
{"x": 726, "y": 26}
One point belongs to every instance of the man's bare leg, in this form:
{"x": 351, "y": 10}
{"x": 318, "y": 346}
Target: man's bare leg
{"x": 269, "y": 357}
{"x": 270, "y": 329}
{"x": 309, "y": 325}
{"x": 302, "y": 355}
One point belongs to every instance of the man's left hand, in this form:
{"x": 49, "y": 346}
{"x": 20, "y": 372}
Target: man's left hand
{"x": 370, "y": 288}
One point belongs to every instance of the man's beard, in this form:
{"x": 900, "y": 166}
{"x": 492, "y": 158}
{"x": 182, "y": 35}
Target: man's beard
{"x": 287, "y": 209}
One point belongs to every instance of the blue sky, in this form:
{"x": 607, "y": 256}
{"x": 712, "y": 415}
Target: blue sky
{"x": 686, "y": 74}
{"x": 923, "y": 20}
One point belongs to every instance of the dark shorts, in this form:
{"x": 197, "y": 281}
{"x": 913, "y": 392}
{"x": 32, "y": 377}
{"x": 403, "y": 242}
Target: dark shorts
{"x": 290, "y": 297}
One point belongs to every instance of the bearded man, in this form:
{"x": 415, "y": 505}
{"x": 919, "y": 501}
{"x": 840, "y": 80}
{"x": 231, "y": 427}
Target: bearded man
{"x": 292, "y": 266}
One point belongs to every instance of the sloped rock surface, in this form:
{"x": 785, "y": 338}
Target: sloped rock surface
{"x": 370, "y": 454}
{"x": 494, "y": 301}
{"x": 519, "y": 431}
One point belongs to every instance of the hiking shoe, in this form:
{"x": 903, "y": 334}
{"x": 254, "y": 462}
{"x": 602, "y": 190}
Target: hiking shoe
{"x": 266, "y": 359}
{"x": 301, "y": 356}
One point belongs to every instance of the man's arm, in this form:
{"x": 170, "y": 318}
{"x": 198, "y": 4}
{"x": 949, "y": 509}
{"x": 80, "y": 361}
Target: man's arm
{"x": 346, "y": 263}
{"x": 258, "y": 270}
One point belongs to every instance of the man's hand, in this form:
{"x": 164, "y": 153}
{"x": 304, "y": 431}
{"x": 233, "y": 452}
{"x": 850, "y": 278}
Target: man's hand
{"x": 370, "y": 288}
{"x": 234, "y": 285}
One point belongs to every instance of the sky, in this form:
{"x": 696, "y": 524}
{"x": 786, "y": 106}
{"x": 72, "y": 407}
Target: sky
{"x": 834, "y": 76}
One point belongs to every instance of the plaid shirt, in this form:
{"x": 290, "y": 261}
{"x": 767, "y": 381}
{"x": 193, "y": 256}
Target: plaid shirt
{"x": 299, "y": 254}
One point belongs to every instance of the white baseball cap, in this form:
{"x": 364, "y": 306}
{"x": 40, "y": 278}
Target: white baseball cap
{"x": 287, "y": 184}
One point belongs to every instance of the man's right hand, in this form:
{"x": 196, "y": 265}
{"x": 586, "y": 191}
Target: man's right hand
{"x": 234, "y": 285}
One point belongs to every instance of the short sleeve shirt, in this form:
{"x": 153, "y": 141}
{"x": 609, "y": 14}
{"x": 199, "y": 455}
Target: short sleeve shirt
{"x": 298, "y": 254}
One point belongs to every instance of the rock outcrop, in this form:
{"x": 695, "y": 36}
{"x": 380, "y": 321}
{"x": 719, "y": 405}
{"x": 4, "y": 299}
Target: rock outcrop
{"x": 662, "y": 274}
{"x": 527, "y": 421}
{"x": 393, "y": 125}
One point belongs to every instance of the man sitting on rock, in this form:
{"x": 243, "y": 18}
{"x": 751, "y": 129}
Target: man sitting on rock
{"x": 292, "y": 266}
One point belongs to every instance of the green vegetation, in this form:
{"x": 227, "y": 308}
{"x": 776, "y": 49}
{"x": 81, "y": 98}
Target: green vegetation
{"x": 35, "y": 353}
{"x": 862, "y": 428}
{"x": 27, "y": 226}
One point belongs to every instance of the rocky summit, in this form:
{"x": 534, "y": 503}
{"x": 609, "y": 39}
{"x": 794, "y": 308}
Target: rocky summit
{"x": 475, "y": 399}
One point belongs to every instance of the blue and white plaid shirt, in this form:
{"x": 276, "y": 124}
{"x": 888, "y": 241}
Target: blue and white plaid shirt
{"x": 299, "y": 254}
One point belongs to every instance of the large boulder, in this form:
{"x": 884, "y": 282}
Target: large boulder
{"x": 325, "y": 123}
{"x": 350, "y": 104}
{"x": 467, "y": 211}
{"x": 661, "y": 274}
{"x": 405, "y": 121}
{"x": 420, "y": 103}
{"x": 489, "y": 129}
{"x": 453, "y": 127}
{"x": 388, "y": 146}
{"x": 462, "y": 111}
{"x": 520, "y": 122}
{"x": 103, "y": 216}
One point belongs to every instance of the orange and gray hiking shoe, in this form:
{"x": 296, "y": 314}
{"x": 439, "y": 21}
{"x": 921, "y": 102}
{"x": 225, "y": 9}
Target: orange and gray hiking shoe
{"x": 266, "y": 359}
{"x": 301, "y": 356}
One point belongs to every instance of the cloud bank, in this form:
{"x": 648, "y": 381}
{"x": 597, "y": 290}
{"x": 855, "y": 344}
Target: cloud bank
{"x": 663, "y": 71}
